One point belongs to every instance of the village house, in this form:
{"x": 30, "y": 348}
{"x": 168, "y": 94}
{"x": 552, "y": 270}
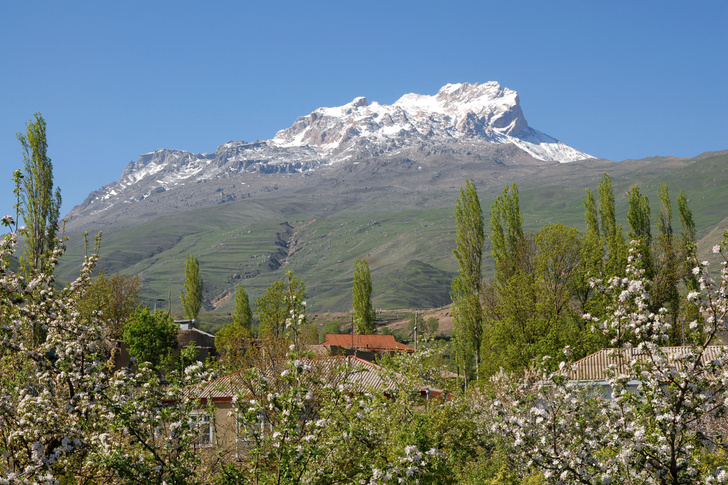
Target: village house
{"x": 595, "y": 369}
{"x": 221, "y": 428}
{"x": 367, "y": 347}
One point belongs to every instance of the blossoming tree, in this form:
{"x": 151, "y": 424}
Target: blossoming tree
{"x": 65, "y": 415}
{"x": 656, "y": 435}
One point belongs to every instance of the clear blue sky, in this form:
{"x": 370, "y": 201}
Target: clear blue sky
{"x": 619, "y": 79}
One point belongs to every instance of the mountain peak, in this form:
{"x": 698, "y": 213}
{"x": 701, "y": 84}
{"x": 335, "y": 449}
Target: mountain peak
{"x": 361, "y": 101}
{"x": 487, "y": 113}
{"x": 467, "y": 92}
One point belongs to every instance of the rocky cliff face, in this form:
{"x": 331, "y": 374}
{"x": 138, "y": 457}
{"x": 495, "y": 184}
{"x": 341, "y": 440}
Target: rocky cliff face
{"x": 466, "y": 121}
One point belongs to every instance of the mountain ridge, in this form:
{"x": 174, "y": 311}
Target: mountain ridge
{"x": 464, "y": 119}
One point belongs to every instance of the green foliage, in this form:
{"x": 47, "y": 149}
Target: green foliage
{"x": 115, "y": 297}
{"x": 282, "y": 310}
{"x": 38, "y": 205}
{"x": 272, "y": 311}
{"x": 666, "y": 277}
{"x": 243, "y": 314}
{"x": 529, "y": 308}
{"x": 332, "y": 326}
{"x": 638, "y": 216}
{"x": 364, "y": 316}
{"x": 507, "y": 238}
{"x": 538, "y": 309}
{"x": 151, "y": 337}
{"x": 432, "y": 325}
{"x": 557, "y": 265}
{"x": 229, "y": 337}
{"x": 613, "y": 240}
{"x": 192, "y": 297}
{"x": 467, "y": 311}
{"x": 687, "y": 222}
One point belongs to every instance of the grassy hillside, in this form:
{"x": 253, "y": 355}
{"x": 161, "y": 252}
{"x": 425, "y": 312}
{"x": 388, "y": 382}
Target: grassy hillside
{"x": 406, "y": 235}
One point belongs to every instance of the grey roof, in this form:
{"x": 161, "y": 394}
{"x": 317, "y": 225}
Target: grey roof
{"x": 352, "y": 372}
{"x": 596, "y": 365}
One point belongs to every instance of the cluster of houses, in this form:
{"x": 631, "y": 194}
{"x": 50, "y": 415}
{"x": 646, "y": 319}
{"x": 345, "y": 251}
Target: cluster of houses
{"x": 341, "y": 359}
{"x": 351, "y": 359}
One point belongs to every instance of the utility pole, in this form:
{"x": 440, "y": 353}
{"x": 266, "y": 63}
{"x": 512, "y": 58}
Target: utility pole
{"x": 416, "y": 318}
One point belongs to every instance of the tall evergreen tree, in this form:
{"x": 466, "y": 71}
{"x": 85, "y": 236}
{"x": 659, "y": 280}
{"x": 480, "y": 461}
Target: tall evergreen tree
{"x": 39, "y": 205}
{"x": 364, "y": 316}
{"x": 192, "y": 297}
{"x": 467, "y": 311}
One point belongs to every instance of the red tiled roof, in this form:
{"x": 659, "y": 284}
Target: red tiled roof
{"x": 366, "y": 342}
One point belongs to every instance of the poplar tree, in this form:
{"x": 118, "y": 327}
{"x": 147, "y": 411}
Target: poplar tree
{"x": 664, "y": 290}
{"x": 638, "y": 216}
{"x": 364, "y": 315}
{"x": 687, "y": 253}
{"x": 243, "y": 314}
{"x": 688, "y": 231}
{"x": 467, "y": 309}
{"x": 592, "y": 251}
{"x": 507, "y": 238}
{"x": 282, "y": 309}
{"x": 38, "y": 205}
{"x": 192, "y": 297}
{"x": 615, "y": 247}
{"x": 232, "y": 340}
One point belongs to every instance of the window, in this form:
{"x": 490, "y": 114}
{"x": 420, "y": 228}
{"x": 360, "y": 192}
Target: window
{"x": 204, "y": 424}
{"x": 248, "y": 435}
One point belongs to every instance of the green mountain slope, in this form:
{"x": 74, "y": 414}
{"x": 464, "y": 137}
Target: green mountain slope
{"x": 403, "y": 226}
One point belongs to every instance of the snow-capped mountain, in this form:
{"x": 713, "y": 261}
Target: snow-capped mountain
{"x": 484, "y": 112}
{"x": 465, "y": 119}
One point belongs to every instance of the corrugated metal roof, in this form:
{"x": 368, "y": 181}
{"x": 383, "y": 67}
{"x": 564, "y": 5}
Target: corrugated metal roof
{"x": 366, "y": 342}
{"x": 595, "y": 366}
{"x": 351, "y": 371}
